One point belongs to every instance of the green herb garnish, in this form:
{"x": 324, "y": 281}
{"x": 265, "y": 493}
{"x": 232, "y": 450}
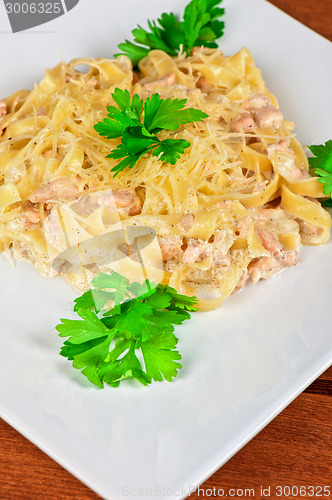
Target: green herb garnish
{"x": 322, "y": 163}
{"x": 104, "y": 343}
{"x": 200, "y": 26}
{"x": 137, "y": 138}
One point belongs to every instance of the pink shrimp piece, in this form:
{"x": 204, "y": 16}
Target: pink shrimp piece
{"x": 282, "y": 146}
{"x": 264, "y": 268}
{"x": 3, "y": 109}
{"x": 125, "y": 199}
{"x": 245, "y": 124}
{"x": 204, "y": 85}
{"x": 289, "y": 259}
{"x": 32, "y": 215}
{"x": 279, "y": 258}
{"x": 257, "y": 102}
{"x": 170, "y": 246}
{"x": 193, "y": 253}
{"x": 187, "y": 221}
{"x": 128, "y": 200}
{"x": 242, "y": 281}
{"x": 269, "y": 241}
{"x": 165, "y": 81}
{"x": 242, "y": 226}
{"x": 60, "y": 189}
{"x": 168, "y": 79}
{"x": 269, "y": 117}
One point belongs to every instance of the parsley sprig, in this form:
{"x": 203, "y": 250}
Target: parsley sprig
{"x": 322, "y": 163}
{"x": 104, "y": 344}
{"x": 200, "y": 26}
{"x": 137, "y": 137}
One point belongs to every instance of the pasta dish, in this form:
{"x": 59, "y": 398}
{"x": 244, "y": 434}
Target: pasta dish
{"x": 237, "y": 205}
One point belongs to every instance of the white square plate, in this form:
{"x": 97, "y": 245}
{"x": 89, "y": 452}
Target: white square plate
{"x": 242, "y": 364}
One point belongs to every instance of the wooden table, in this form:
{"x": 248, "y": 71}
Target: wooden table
{"x": 293, "y": 450}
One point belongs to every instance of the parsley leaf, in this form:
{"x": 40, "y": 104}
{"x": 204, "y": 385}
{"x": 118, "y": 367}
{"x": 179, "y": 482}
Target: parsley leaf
{"x": 170, "y": 150}
{"x": 89, "y": 328}
{"x": 322, "y": 163}
{"x": 200, "y": 26}
{"x": 140, "y": 320}
{"x": 118, "y": 119}
{"x": 138, "y": 140}
{"x": 194, "y": 18}
{"x": 138, "y": 136}
{"x": 168, "y": 114}
{"x": 122, "y": 367}
{"x": 160, "y": 358}
{"x": 130, "y": 107}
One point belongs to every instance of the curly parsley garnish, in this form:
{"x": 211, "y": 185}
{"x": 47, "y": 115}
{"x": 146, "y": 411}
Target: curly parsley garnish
{"x": 137, "y": 137}
{"x": 200, "y": 26}
{"x": 104, "y": 343}
{"x": 322, "y": 163}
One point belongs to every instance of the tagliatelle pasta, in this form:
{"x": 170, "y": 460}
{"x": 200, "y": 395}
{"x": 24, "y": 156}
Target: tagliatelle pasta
{"x": 237, "y": 204}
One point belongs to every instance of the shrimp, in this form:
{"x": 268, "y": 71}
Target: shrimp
{"x": 165, "y": 81}
{"x": 264, "y": 114}
{"x": 125, "y": 200}
{"x": 269, "y": 241}
{"x": 187, "y": 221}
{"x": 204, "y": 85}
{"x": 194, "y": 252}
{"x": 61, "y": 189}
{"x": 269, "y": 117}
{"x": 257, "y": 102}
{"x": 268, "y": 224}
{"x": 170, "y": 246}
{"x": 198, "y": 250}
{"x": 3, "y": 109}
{"x": 245, "y": 123}
{"x": 32, "y": 215}
{"x": 280, "y": 147}
{"x": 242, "y": 281}
{"x": 264, "y": 268}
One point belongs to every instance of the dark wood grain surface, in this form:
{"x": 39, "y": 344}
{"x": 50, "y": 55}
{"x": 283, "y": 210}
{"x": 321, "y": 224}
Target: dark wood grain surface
{"x": 293, "y": 450}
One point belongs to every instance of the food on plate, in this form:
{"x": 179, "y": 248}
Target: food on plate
{"x": 174, "y": 162}
{"x": 237, "y": 204}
